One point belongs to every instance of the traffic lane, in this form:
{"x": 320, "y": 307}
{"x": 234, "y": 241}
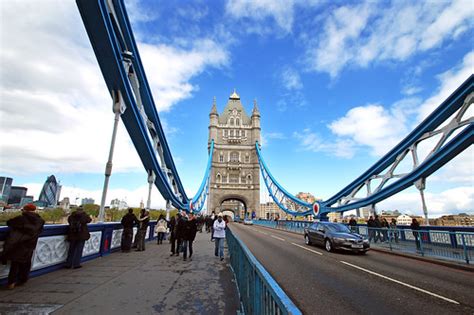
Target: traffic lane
{"x": 452, "y": 283}
{"x": 319, "y": 282}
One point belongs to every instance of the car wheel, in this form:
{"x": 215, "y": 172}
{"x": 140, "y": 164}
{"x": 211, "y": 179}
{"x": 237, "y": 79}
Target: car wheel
{"x": 328, "y": 245}
{"x": 307, "y": 240}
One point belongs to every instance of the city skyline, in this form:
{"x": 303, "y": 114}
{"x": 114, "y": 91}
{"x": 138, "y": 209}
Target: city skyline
{"x": 332, "y": 103}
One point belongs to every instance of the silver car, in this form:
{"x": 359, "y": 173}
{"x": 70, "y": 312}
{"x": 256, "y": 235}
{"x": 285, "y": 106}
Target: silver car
{"x": 335, "y": 236}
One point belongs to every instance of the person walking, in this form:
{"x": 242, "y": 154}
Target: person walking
{"x": 180, "y": 231}
{"x": 128, "y": 221}
{"x": 385, "y": 227}
{"x": 394, "y": 230}
{"x": 415, "y": 226}
{"x": 78, "y": 234}
{"x": 20, "y": 244}
{"x": 371, "y": 227}
{"x": 378, "y": 226}
{"x": 160, "y": 229}
{"x": 219, "y": 236}
{"x": 172, "y": 227}
{"x": 142, "y": 227}
{"x": 189, "y": 235}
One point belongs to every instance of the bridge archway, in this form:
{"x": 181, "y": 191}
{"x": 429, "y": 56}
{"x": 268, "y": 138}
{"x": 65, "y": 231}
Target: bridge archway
{"x": 233, "y": 206}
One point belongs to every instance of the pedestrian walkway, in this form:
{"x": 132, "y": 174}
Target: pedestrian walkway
{"x": 149, "y": 282}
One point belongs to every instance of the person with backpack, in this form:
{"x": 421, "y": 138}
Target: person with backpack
{"x": 21, "y": 243}
{"x": 128, "y": 221}
{"x": 78, "y": 234}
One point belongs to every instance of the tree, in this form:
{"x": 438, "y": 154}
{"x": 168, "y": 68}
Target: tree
{"x": 53, "y": 215}
{"x": 91, "y": 209}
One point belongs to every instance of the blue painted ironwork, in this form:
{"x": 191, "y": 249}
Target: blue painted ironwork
{"x": 456, "y": 104}
{"x": 286, "y": 201}
{"x": 259, "y": 292}
{"x": 109, "y": 30}
{"x": 199, "y": 200}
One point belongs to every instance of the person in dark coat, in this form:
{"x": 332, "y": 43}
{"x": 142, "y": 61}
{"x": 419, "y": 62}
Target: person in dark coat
{"x": 128, "y": 221}
{"x": 189, "y": 234}
{"x": 172, "y": 227}
{"x": 77, "y": 236}
{"x": 371, "y": 226}
{"x": 378, "y": 225}
{"x": 415, "y": 226}
{"x": 353, "y": 224}
{"x": 180, "y": 225}
{"x": 21, "y": 243}
{"x": 143, "y": 226}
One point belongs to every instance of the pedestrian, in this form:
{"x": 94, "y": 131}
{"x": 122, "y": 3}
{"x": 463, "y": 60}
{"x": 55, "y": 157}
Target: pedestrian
{"x": 180, "y": 230}
{"x": 219, "y": 236}
{"x": 128, "y": 222}
{"x": 142, "y": 227}
{"x": 394, "y": 230}
{"x": 189, "y": 235}
{"x": 172, "y": 227}
{"x": 20, "y": 244}
{"x": 78, "y": 234}
{"x": 378, "y": 225}
{"x": 385, "y": 227}
{"x": 371, "y": 227}
{"x": 415, "y": 226}
{"x": 160, "y": 229}
{"x": 353, "y": 224}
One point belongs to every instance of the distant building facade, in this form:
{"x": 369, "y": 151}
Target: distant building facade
{"x": 271, "y": 211}
{"x": 25, "y": 200}
{"x": 5, "y": 188}
{"x": 16, "y": 193}
{"x": 454, "y": 220}
{"x": 119, "y": 204}
{"x": 50, "y": 192}
{"x": 87, "y": 201}
{"x": 65, "y": 204}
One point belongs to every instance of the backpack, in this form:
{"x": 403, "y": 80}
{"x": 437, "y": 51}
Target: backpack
{"x": 75, "y": 227}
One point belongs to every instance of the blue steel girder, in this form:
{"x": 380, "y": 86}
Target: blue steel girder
{"x": 445, "y": 121}
{"x": 285, "y": 201}
{"x": 109, "y": 31}
{"x": 197, "y": 203}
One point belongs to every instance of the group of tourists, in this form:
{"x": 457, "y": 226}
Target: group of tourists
{"x": 383, "y": 231}
{"x": 26, "y": 228}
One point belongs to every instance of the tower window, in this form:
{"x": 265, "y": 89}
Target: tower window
{"x": 232, "y": 122}
{"x": 237, "y": 122}
{"x": 221, "y": 158}
{"x": 225, "y": 133}
{"x": 234, "y": 157}
{"x": 247, "y": 159}
{"x": 232, "y": 133}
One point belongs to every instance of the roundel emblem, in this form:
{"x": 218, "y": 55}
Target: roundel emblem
{"x": 316, "y": 208}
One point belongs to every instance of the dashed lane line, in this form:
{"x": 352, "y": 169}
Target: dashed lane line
{"x": 278, "y": 238}
{"x": 402, "y": 283}
{"x": 308, "y": 249}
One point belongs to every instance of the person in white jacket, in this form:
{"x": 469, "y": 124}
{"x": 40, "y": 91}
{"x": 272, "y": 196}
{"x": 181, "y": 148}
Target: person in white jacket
{"x": 160, "y": 229}
{"x": 219, "y": 236}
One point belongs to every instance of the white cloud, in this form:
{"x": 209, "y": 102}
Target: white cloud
{"x": 280, "y": 11}
{"x": 311, "y": 141}
{"x": 358, "y": 35}
{"x": 56, "y": 113}
{"x": 291, "y": 79}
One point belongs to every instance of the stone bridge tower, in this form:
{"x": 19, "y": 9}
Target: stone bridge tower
{"x": 235, "y": 172}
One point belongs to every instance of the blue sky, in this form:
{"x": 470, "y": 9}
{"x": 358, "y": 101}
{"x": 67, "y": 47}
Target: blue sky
{"x": 337, "y": 83}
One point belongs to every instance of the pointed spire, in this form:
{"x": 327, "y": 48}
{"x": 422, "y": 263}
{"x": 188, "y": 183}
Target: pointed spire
{"x": 214, "y": 107}
{"x": 234, "y": 96}
{"x": 255, "y": 110}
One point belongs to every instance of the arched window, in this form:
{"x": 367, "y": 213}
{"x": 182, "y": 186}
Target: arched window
{"x": 234, "y": 157}
{"x": 232, "y": 122}
{"x": 225, "y": 133}
{"x": 218, "y": 178}
{"x": 249, "y": 179}
{"x": 237, "y": 122}
{"x": 247, "y": 159}
{"x": 221, "y": 158}
{"x": 232, "y": 133}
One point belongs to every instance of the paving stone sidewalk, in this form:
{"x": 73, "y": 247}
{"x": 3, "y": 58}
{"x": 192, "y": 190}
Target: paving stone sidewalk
{"x": 149, "y": 282}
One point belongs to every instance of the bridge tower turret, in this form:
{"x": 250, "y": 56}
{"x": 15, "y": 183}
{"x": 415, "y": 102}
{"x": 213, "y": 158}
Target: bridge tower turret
{"x": 235, "y": 172}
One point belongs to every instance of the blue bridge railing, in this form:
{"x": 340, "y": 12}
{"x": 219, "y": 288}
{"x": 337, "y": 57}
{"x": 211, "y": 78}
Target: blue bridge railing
{"x": 52, "y": 248}
{"x": 452, "y": 243}
{"x": 259, "y": 293}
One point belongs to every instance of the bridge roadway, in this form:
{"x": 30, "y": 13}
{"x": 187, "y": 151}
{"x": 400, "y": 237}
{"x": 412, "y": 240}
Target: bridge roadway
{"x": 149, "y": 282}
{"x": 319, "y": 282}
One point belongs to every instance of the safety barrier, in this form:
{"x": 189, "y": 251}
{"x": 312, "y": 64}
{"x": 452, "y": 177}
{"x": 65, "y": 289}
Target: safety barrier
{"x": 452, "y": 243}
{"x": 52, "y": 247}
{"x": 259, "y": 293}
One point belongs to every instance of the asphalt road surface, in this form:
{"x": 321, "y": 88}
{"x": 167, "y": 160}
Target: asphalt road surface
{"x": 319, "y": 282}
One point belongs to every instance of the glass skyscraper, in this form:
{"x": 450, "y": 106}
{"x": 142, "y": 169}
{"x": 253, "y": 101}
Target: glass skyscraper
{"x": 49, "y": 195}
{"x": 5, "y": 188}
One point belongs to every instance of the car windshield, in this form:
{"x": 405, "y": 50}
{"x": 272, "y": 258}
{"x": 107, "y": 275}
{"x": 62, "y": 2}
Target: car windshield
{"x": 338, "y": 228}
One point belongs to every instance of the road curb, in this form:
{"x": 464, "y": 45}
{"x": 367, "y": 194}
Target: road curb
{"x": 425, "y": 259}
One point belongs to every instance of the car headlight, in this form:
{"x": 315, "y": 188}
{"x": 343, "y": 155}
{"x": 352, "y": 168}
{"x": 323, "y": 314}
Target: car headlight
{"x": 339, "y": 239}
{"x": 366, "y": 240}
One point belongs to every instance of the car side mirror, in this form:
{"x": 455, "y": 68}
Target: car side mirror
{"x": 321, "y": 230}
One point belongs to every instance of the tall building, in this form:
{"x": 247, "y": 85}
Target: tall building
{"x": 5, "y": 188}
{"x": 87, "y": 201}
{"x": 119, "y": 204}
{"x": 50, "y": 193}
{"x": 16, "y": 194}
{"x": 271, "y": 211}
{"x": 26, "y": 199}
{"x": 235, "y": 171}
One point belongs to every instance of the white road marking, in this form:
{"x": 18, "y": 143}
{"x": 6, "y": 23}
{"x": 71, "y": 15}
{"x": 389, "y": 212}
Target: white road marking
{"x": 278, "y": 238}
{"x": 402, "y": 283}
{"x": 311, "y": 250}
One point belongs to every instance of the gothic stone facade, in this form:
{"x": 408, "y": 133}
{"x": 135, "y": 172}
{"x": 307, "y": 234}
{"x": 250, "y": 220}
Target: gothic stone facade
{"x": 235, "y": 172}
